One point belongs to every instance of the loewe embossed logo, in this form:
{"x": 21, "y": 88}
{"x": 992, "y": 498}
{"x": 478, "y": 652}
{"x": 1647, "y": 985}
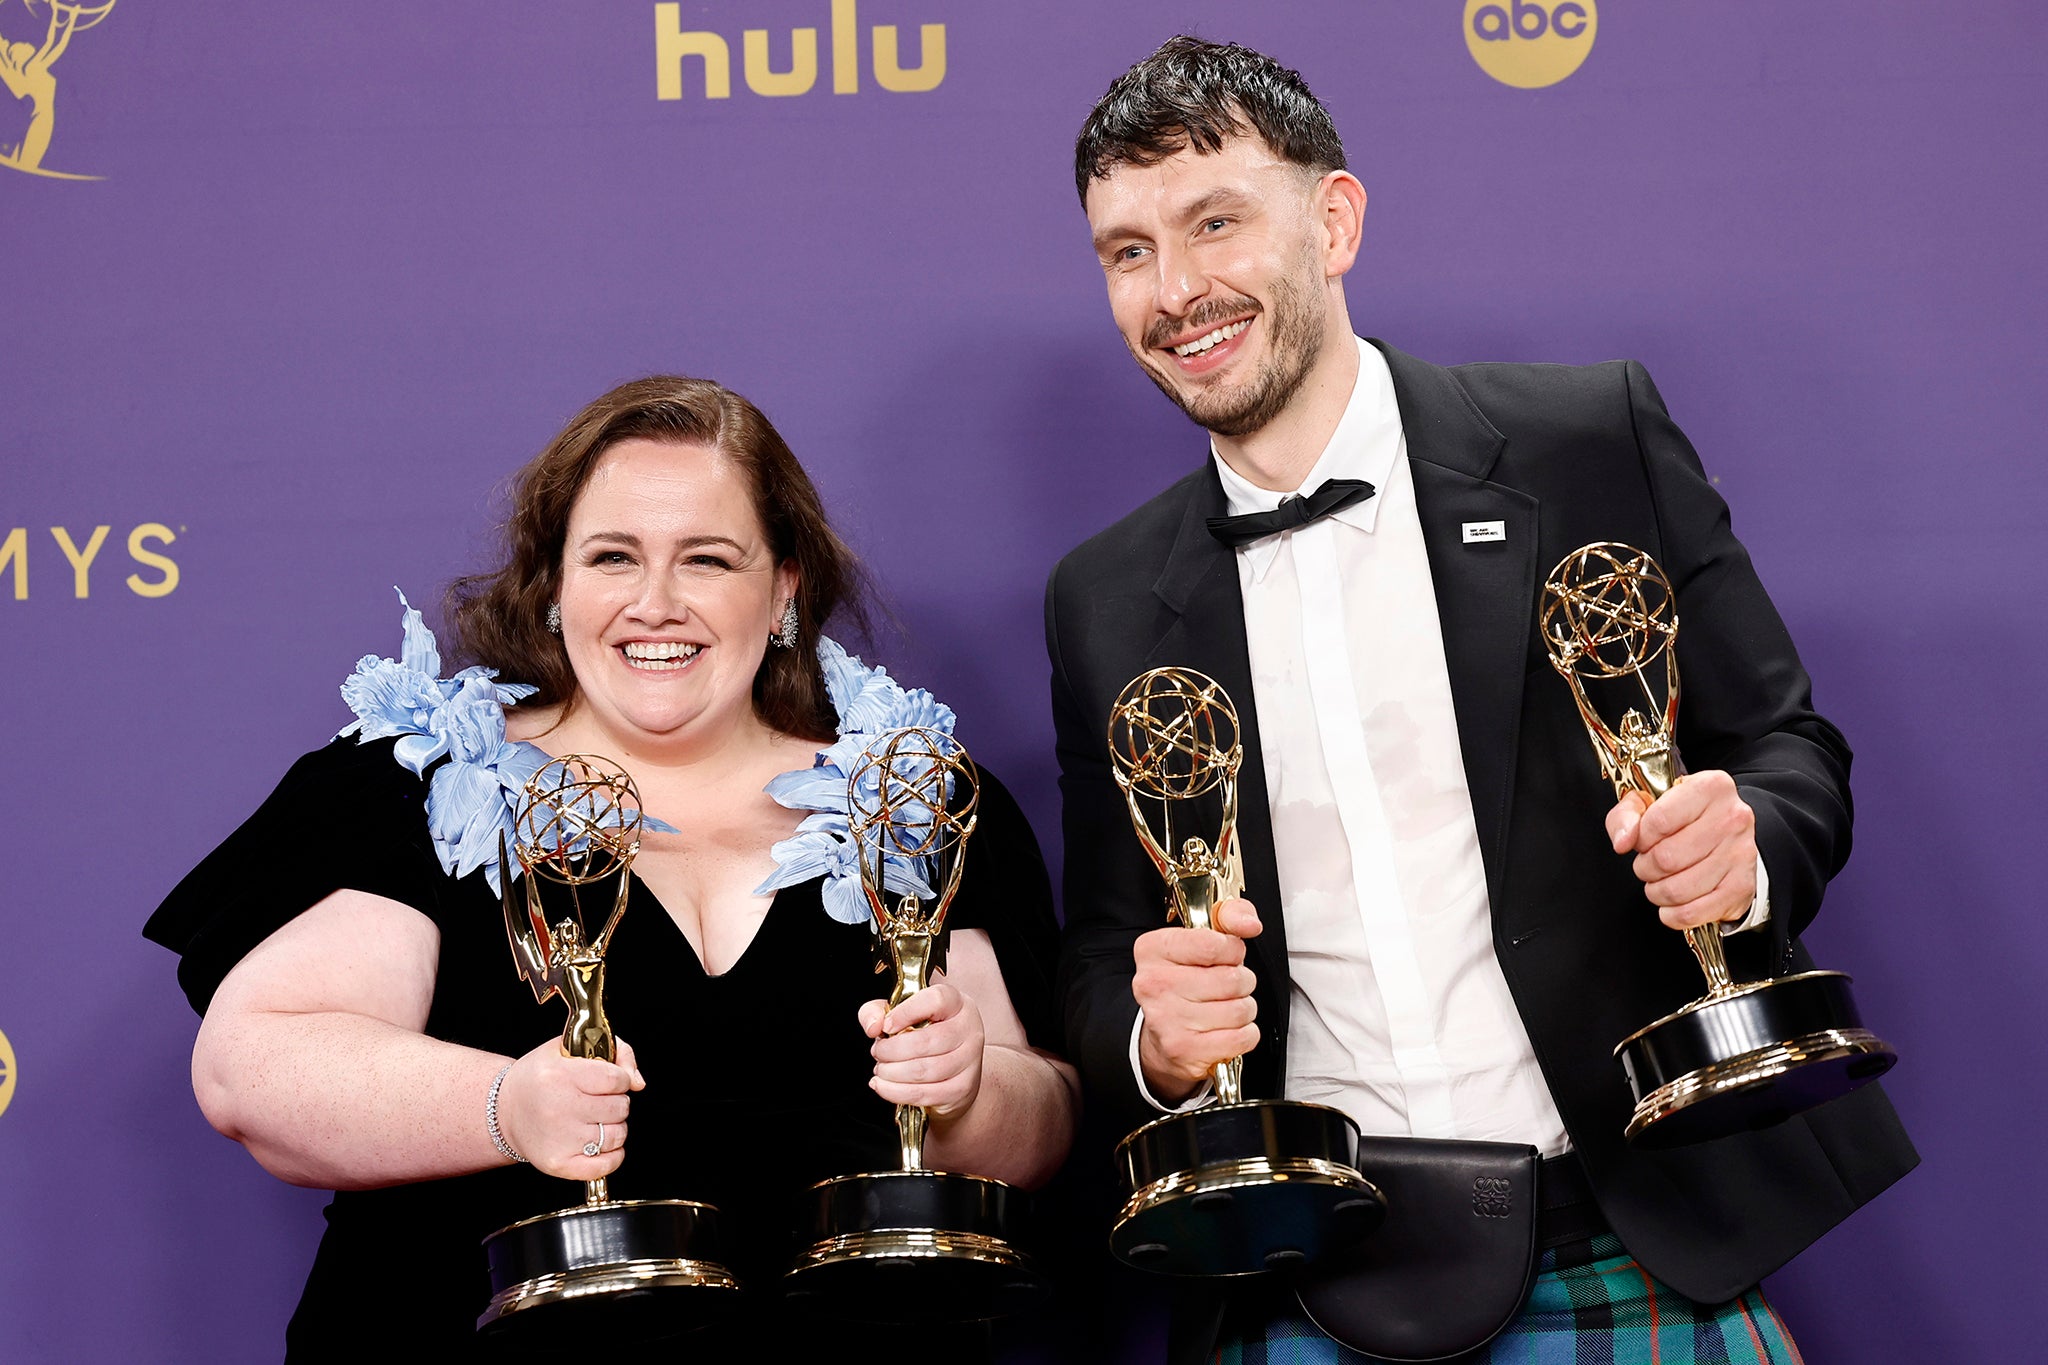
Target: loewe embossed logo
{"x": 1492, "y": 1197}
{"x": 26, "y": 70}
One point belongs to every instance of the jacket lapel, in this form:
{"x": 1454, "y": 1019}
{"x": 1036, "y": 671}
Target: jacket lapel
{"x": 1485, "y": 590}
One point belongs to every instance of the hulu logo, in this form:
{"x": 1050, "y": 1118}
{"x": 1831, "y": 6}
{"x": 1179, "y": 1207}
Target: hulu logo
{"x": 799, "y": 75}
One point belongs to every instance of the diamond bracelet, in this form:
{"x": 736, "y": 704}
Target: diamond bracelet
{"x": 491, "y": 1116}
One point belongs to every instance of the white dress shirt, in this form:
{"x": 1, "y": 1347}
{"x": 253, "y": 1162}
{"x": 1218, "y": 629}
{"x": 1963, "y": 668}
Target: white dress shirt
{"x": 1401, "y": 1016}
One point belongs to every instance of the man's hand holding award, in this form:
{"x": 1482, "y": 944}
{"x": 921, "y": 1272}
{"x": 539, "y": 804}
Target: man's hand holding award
{"x": 1746, "y": 1054}
{"x": 1240, "y": 1186}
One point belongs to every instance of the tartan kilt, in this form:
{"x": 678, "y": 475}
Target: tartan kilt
{"x": 1591, "y": 1305}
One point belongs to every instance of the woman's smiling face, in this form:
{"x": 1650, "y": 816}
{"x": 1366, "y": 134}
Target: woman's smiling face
{"x": 669, "y": 592}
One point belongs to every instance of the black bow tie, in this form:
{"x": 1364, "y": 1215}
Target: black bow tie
{"x": 1293, "y": 513}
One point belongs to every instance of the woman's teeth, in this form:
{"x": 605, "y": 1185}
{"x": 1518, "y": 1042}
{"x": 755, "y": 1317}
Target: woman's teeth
{"x": 663, "y": 655}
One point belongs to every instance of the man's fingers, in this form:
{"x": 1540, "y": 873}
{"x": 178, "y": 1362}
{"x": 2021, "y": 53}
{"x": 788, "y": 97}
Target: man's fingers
{"x": 1702, "y": 879}
{"x": 1729, "y": 899}
{"x": 1178, "y": 1016}
{"x": 1176, "y": 1060}
{"x": 1216, "y": 1045}
{"x": 1196, "y": 994}
{"x": 1674, "y": 853}
{"x": 1222, "y": 1016}
{"x": 1623, "y": 820}
{"x": 1238, "y": 917}
{"x": 1703, "y": 795}
{"x": 1213, "y": 983}
{"x": 1195, "y": 947}
{"x": 1719, "y": 842}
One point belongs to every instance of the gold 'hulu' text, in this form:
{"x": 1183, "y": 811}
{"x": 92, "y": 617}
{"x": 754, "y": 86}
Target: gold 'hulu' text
{"x": 672, "y": 45}
{"x": 14, "y": 556}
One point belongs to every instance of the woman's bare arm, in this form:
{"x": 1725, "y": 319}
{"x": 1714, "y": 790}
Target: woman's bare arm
{"x": 311, "y": 1055}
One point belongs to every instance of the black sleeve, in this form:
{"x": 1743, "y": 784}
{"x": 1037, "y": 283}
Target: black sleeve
{"x": 346, "y": 816}
{"x": 1746, "y": 705}
{"x": 1113, "y": 894}
{"x": 1006, "y": 892}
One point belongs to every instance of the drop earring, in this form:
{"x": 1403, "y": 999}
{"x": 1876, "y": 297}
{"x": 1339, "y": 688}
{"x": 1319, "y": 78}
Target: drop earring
{"x": 553, "y": 619}
{"x": 786, "y": 637}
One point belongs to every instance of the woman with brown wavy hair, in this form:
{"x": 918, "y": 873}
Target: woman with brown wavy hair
{"x": 667, "y": 576}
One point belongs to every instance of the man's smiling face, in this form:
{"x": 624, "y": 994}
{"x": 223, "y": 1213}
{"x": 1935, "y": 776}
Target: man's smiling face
{"x": 1215, "y": 273}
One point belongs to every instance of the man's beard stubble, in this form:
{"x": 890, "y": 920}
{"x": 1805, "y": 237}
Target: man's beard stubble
{"x": 1295, "y": 343}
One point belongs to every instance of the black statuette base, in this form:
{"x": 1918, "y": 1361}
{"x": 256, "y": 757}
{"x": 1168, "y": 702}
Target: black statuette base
{"x": 624, "y": 1271}
{"x": 1241, "y": 1189}
{"x": 1749, "y": 1060}
{"x": 915, "y": 1246}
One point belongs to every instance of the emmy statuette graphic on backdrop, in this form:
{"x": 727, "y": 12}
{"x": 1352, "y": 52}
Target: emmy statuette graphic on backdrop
{"x": 913, "y": 1244}
{"x": 608, "y": 1268}
{"x": 1746, "y": 1054}
{"x": 27, "y": 71}
{"x": 1239, "y": 1186}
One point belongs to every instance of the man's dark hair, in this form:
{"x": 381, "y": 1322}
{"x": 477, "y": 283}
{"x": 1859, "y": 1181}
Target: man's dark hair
{"x": 1193, "y": 92}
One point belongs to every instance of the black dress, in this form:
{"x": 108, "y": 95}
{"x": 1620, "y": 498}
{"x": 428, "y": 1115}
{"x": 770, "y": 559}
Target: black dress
{"x": 757, "y": 1078}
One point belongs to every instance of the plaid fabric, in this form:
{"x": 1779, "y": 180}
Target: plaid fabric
{"x": 1591, "y": 1305}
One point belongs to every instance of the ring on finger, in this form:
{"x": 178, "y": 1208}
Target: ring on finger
{"x": 593, "y": 1148}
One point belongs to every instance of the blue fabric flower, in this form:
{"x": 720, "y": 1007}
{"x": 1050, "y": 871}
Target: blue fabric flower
{"x": 476, "y": 795}
{"x": 869, "y": 704}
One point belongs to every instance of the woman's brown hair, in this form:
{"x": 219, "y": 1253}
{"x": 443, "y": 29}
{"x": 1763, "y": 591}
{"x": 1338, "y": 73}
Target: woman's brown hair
{"x": 499, "y": 617}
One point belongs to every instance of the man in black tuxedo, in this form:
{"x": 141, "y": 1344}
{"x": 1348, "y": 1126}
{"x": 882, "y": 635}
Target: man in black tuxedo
{"x": 1441, "y": 933}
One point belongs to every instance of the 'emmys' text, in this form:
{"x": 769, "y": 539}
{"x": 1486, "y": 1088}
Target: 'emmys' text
{"x": 14, "y": 555}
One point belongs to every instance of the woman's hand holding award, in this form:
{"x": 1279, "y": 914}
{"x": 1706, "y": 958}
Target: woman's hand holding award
{"x": 913, "y": 1244}
{"x": 1746, "y": 1054}
{"x": 1240, "y": 1186}
{"x": 608, "y": 1269}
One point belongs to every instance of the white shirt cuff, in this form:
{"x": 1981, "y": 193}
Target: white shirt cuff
{"x": 1759, "y": 909}
{"x": 1194, "y": 1101}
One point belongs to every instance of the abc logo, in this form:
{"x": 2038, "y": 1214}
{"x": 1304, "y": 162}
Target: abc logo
{"x": 6, "y": 1072}
{"x": 1530, "y": 43}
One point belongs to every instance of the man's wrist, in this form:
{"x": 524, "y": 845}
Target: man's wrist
{"x": 1759, "y": 912}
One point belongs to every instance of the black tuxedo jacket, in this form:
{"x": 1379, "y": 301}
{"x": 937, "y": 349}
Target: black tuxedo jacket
{"x": 1563, "y": 456}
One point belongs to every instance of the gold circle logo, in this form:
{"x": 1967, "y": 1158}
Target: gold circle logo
{"x": 6, "y": 1072}
{"x": 1530, "y": 43}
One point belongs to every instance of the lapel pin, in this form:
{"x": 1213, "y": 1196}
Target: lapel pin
{"x": 1481, "y": 532}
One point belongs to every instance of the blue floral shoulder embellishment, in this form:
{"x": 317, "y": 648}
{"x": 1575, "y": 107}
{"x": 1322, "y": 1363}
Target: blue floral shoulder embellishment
{"x": 869, "y": 703}
{"x": 474, "y": 796}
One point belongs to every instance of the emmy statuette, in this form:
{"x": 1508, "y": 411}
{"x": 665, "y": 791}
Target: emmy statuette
{"x": 618, "y": 1268}
{"x": 1239, "y": 1186}
{"x": 1746, "y": 1054}
{"x": 913, "y": 1244}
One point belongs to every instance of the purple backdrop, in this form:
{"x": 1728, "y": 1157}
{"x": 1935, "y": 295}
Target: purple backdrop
{"x": 349, "y": 264}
